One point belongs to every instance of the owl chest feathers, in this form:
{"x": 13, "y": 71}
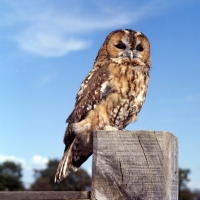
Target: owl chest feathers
{"x": 128, "y": 85}
{"x": 121, "y": 96}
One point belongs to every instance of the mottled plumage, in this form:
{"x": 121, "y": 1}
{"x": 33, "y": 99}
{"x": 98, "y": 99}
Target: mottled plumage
{"x": 110, "y": 97}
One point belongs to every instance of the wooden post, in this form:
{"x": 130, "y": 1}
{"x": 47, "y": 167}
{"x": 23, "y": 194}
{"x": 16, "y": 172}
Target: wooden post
{"x": 134, "y": 165}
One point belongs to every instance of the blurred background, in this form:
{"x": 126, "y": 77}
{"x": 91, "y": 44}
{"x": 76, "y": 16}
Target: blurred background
{"x": 48, "y": 47}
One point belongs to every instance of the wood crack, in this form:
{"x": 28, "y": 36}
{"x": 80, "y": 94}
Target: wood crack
{"x": 120, "y": 165}
{"x": 144, "y": 153}
{"x": 146, "y": 161}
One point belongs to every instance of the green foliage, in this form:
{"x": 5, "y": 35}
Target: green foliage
{"x": 184, "y": 192}
{"x": 10, "y": 176}
{"x": 197, "y": 194}
{"x": 75, "y": 181}
{"x": 183, "y": 178}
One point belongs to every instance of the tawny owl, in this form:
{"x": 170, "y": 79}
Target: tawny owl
{"x": 110, "y": 97}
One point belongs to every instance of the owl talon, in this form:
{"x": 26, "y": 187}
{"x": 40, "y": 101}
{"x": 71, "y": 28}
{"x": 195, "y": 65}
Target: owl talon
{"x": 110, "y": 128}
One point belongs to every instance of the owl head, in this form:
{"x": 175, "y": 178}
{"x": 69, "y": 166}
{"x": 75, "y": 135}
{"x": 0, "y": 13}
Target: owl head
{"x": 126, "y": 46}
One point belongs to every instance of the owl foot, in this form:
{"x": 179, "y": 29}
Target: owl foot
{"x": 110, "y": 128}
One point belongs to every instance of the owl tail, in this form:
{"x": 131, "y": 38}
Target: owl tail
{"x": 64, "y": 165}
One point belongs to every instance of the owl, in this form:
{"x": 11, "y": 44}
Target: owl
{"x": 110, "y": 97}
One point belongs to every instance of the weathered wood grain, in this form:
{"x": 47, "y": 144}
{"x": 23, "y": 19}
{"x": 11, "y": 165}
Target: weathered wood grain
{"x": 45, "y": 195}
{"x": 130, "y": 165}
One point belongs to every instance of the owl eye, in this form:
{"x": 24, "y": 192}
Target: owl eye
{"x": 121, "y": 46}
{"x": 139, "y": 47}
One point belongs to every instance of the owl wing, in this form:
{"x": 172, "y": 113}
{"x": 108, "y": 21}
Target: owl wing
{"x": 93, "y": 89}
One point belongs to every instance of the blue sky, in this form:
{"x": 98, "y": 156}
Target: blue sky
{"x": 48, "y": 47}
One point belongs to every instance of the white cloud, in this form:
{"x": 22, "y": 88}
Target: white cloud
{"x": 36, "y": 162}
{"x": 39, "y": 162}
{"x": 45, "y": 79}
{"x": 47, "y": 44}
{"x": 4, "y": 158}
{"x": 49, "y": 30}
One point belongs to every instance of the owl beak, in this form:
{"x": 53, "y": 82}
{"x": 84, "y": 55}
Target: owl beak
{"x": 133, "y": 54}
{"x": 130, "y": 54}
